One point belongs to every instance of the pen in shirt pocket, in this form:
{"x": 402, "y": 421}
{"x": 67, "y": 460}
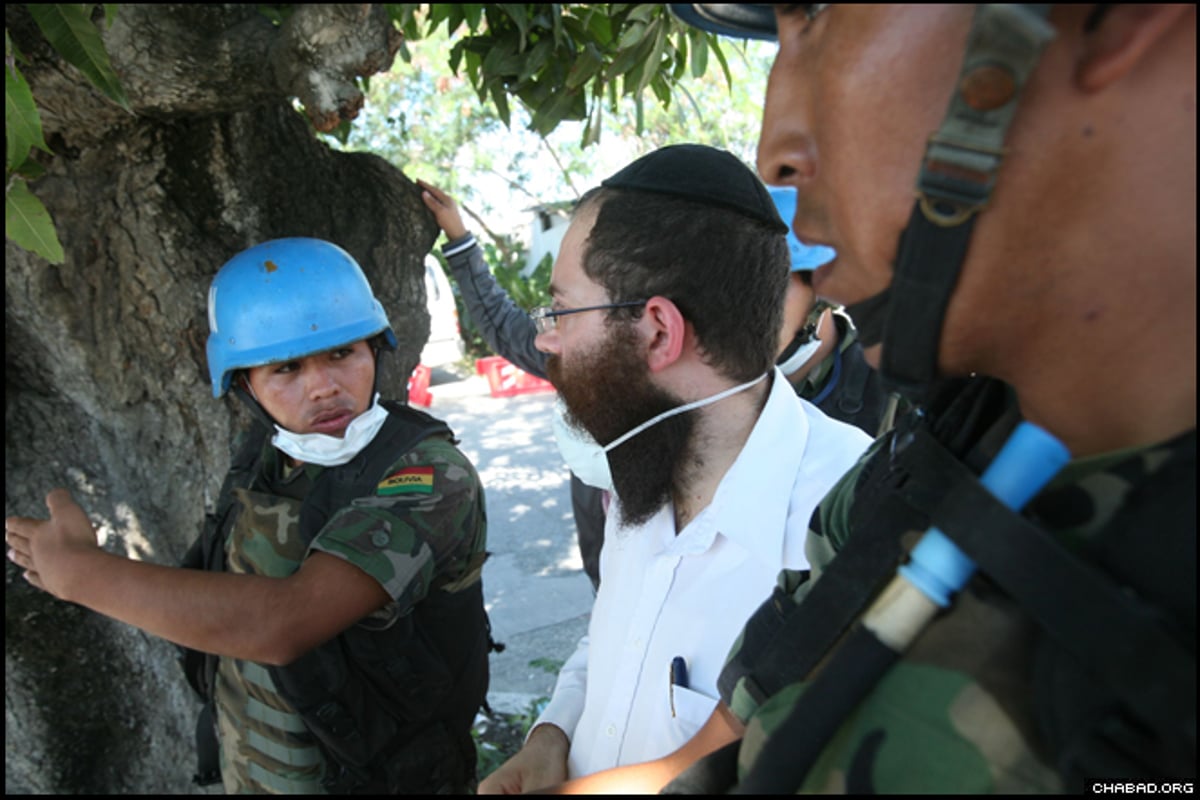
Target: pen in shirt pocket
{"x": 679, "y": 677}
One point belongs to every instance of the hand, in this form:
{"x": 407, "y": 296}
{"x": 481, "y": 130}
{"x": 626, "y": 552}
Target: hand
{"x": 43, "y": 547}
{"x": 542, "y": 762}
{"x": 444, "y": 209}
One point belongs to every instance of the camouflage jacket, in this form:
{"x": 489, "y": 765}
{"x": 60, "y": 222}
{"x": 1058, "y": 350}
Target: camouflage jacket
{"x": 422, "y": 530}
{"x": 956, "y": 713}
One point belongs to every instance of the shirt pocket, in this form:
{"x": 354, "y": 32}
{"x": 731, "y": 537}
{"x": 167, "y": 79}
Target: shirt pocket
{"x": 692, "y": 710}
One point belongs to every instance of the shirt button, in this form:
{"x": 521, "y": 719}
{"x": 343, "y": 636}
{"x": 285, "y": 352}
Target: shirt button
{"x": 612, "y": 730}
{"x": 380, "y": 538}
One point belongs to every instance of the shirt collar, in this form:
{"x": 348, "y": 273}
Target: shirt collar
{"x": 751, "y": 504}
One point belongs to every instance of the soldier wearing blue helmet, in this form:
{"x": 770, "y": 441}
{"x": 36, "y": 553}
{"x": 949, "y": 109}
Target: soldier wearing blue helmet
{"x": 819, "y": 349}
{"x": 331, "y": 613}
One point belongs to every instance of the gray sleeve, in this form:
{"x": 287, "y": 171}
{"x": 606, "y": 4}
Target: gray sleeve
{"x": 506, "y": 327}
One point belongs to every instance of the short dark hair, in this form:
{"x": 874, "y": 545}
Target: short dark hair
{"x": 726, "y": 272}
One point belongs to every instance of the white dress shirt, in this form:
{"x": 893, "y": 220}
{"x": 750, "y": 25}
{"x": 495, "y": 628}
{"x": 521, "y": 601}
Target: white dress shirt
{"x": 664, "y": 594}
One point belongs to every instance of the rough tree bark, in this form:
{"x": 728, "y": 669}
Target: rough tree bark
{"x": 106, "y": 387}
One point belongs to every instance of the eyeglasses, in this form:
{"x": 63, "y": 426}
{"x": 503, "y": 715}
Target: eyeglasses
{"x": 546, "y": 318}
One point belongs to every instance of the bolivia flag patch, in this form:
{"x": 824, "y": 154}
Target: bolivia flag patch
{"x": 410, "y": 480}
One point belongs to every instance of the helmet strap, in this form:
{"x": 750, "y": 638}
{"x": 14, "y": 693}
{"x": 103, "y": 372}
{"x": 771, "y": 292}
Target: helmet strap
{"x": 246, "y": 396}
{"x": 955, "y": 183}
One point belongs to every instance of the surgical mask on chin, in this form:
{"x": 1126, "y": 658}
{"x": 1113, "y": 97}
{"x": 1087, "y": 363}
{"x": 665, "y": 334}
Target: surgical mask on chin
{"x": 330, "y": 451}
{"x": 801, "y": 357}
{"x": 579, "y": 450}
{"x": 589, "y": 461}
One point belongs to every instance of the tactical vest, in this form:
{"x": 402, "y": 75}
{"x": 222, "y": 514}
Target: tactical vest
{"x": 390, "y": 709}
{"x": 852, "y": 392}
{"x": 1114, "y": 671}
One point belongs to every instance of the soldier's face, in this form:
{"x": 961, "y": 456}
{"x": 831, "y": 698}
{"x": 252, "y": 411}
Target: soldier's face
{"x": 321, "y": 393}
{"x": 853, "y": 95}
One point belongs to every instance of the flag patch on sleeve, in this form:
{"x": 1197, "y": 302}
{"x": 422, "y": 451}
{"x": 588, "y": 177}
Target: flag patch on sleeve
{"x": 410, "y": 480}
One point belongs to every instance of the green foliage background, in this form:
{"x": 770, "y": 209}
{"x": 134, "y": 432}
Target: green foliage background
{"x": 430, "y": 122}
{"x": 479, "y": 91}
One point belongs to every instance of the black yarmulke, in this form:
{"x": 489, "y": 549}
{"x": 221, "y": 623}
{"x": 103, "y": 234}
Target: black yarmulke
{"x": 701, "y": 174}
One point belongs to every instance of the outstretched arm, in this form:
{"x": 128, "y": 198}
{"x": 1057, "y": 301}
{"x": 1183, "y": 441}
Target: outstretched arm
{"x": 505, "y": 326}
{"x": 268, "y": 620}
{"x": 651, "y": 776}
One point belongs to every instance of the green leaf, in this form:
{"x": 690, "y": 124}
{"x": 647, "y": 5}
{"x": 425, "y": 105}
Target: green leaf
{"x": 455, "y": 18}
{"x": 699, "y": 55}
{"x": 27, "y": 223}
{"x": 631, "y": 36}
{"x": 30, "y": 170}
{"x": 341, "y": 132}
{"x": 500, "y": 99}
{"x": 404, "y": 18}
{"x": 456, "y": 54}
{"x": 716, "y": 49}
{"x": 438, "y": 13}
{"x": 653, "y": 59}
{"x": 643, "y": 12}
{"x": 556, "y": 20}
{"x": 679, "y": 56}
{"x": 70, "y": 31}
{"x": 547, "y": 117}
{"x": 587, "y": 64}
{"x": 22, "y": 123}
{"x": 473, "y": 12}
{"x": 591, "y": 131}
{"x": 537, "y": 59}
{"x": 502, "y": 60}
{"x": 627, "y": 60}
{"x": 600, "y": 26}
{"x": 517, "y": 14}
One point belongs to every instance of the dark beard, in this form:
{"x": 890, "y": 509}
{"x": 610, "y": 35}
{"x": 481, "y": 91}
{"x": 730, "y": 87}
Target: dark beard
{"x": 608, "y": 392}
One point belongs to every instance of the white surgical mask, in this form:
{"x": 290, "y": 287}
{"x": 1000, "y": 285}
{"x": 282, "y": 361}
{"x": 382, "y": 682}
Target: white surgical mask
{"x": 589, "y": 461}
{"x": 330, "y": 451}
{"x": 801, "y": 357}
{"x": 579, "y": 450}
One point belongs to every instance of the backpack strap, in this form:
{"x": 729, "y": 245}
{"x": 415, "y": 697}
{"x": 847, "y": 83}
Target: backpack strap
{"x": 896, "y": 493}
{"x": 1120, "y": 635}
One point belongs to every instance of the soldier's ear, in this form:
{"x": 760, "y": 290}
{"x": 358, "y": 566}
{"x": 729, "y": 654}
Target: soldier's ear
{"x": 1125, "y": 35}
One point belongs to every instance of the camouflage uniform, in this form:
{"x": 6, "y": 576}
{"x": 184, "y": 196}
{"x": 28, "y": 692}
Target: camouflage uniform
{"x": 956, "y": 713}
{"x": 425, "y": 521}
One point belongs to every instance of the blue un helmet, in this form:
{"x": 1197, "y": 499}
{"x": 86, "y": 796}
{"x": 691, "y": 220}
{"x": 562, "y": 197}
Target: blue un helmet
{"x": 805, "y": 257}
{"x": 286, "y": 299}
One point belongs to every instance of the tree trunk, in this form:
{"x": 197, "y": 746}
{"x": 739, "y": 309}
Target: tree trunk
{"x": 107, "y": 389}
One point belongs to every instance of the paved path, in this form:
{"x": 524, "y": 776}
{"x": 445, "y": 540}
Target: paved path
{"x": 537, "y": 595}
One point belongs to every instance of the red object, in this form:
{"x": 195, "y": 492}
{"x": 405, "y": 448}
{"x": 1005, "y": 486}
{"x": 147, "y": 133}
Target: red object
{"x": 505, "y": 379}
{"x": 418, "y": 387}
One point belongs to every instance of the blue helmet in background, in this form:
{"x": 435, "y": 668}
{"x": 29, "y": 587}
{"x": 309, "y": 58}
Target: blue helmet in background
{"x": 286, "y": 299}
{"x": 805, "y": 257}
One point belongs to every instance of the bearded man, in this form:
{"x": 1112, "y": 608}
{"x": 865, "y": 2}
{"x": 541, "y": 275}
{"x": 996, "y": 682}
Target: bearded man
{"x": 668, "y": 292}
